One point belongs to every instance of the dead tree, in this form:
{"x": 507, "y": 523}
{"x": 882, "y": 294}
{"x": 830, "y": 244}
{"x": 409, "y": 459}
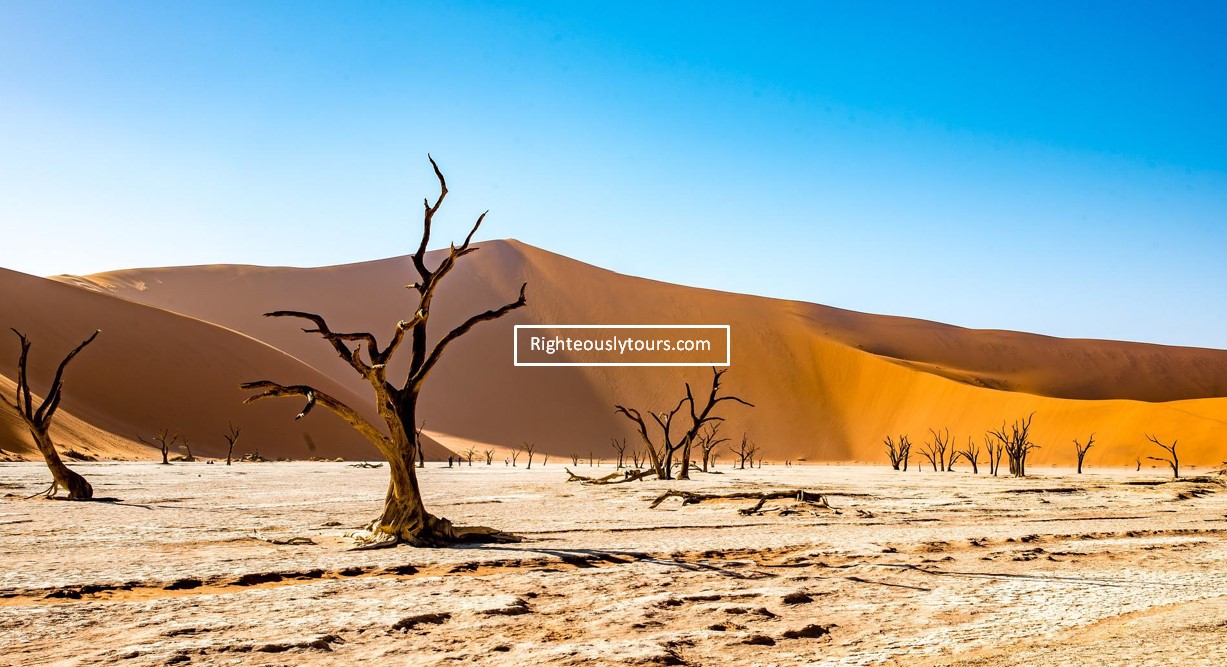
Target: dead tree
{"x": 528, "y": 448}
{"x": 637, "y": 457}
{"x": 928, "y": 451}
{"x": 972, "y": 453}
{"x": 38, "y": 420}
{"x": 515, "y": 454}
{"x": 575, "y": 459}
{"x": 708, "y": 442}
{"x": 995, "y": 449}
{"x": 165, "y": 440}
{"x": 619, "y": 447}
{"x": 404, "y": 517}
{"x": 898, "y": 451}
{"x": 187, "y": 447}
{"x": 489, "y": 456}
{"x": 468, "y": 455}
{"x": 1017, "y": 444}
{"x": 231, "y": 437}
{"x": 662, "y": 455}
{"x": 1171, "y": 459}
{"x": 942, "y": 443}
{"x": 1081, "y": 449}
{"x": 745, "y": 451}
{"x": 421, "y": 450}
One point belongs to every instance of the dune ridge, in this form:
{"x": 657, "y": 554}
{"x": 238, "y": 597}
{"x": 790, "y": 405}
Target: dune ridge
{"x": 829, "y": 383}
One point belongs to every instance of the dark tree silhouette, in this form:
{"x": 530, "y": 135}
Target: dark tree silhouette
{"x": 1082, "y": 449}
{"x": 1171, "y": 459}
{"x": 165, "y": 440}
{"x": 404, "y": 517}
{"x": 898, "y": 451}
{"x": 231, "y": 437}
{"x": 38, "y": 420}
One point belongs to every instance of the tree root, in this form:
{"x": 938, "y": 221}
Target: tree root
{"x": 799, "y": 495}
{"x": 49, "y": 493}
{"x": 435, "y": 532}
{"x": 611, "y": 478}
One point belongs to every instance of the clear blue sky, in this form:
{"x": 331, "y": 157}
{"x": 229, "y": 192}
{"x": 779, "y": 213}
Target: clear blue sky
{"x": 1059, "y": 169}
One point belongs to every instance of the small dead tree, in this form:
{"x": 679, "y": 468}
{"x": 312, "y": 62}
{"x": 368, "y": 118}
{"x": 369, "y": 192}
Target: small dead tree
{"x": 515, "y": 454}
{"x": 1170, "y": 459}
{"x": 972, "y": 453}
{"x": 528, "y": 448}
{"x": 745, "y": 451}
{"x": 619, "y": 447}
{"x": 165, "y": 441}
{"x": 995, "y": 449}
{"x": 404, "y": 517}
{"x": 1017, "y": 444}
{"x": 942, "y": 443}
{"x": 187, "y": 447}
{"x": 231, "y": 437}
{"x": 468, "y": 455}
{"x": 928, "y": 451}
{"x": 575, "y": 459}
{"x": 489, "y": 456}
{"x": 898, "y": 451}
{"x": 637, "y": 457}
{"x": 38, "y": 420}
{"x": 1081, "y": 449}
{"x": 708, "y": 442}
{"x": 421, "y": 450}
{"x": 663, "y": 454}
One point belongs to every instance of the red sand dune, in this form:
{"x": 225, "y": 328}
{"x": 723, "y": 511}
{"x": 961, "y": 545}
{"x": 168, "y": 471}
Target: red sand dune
{"x": 829, "y": 383}
{"x": 150, "y": 369}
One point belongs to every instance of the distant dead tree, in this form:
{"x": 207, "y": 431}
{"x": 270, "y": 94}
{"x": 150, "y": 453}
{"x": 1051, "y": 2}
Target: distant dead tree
{"x": 1170, "y": 459}
{"x": 1017, "y": 444}
{"x": 928, "y": 451}
{"x": 619, "y": 447}
{"x": 528, "y": 448}
{"x": 591, "y": 458}
{"x": 1081, "y": 449}
{"x": 574, "y": 459}
{"x": 637, "y": 457}
{"x": 515, "y": 454}
{"x": 545, "y": 458}
{"x": 745, "y": 451}
{"x": 421, "y": 450}
{"x": 38, "y": 420}
{"x": 231, "y": 437}
{"x": 468, "y": 455}
{"x": 942, "y": 443}
{"x": 165, "y": 440}
{"x": 972, "y": 453}
{"x": 1138, "y": 460}
{"x": 187, "y": 447}
{"x": 663, "y": 453}
{"x": 996, "y": 450}
{"x": 708, "y": 441}
{"x": 489, "y": 456}
{"x": 404, "y": 517}
{"x": 898, "y": 451}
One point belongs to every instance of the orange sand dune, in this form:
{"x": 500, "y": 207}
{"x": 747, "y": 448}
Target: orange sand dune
{"x": 829, "y": 384}
{"x": 151, "y": 369}
{"x": 67, "y": 431}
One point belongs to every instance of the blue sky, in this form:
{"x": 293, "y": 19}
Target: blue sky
{"x": 1055, "y": 168}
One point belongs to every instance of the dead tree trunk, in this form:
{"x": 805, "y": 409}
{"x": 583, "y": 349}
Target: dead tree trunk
{"x": 1171, "y": 459}
{"x": 489, "y": 456}
{"x": 898, "y": 451}
{"x": 404, "y": 517}
{"x": 745, "y": 451}
{"x": 708, "y": 442}
{"x": 420, "y": 448}
{"x": 231, "y": 438}
{"x": 1081, "y": 449}
{"x": 972, "y": 454}
{"x": 38, "y": 420}
{"x": 1017, "y": 444}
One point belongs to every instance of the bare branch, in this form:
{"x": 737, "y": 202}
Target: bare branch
{"x": 347, "y": 414}
{"x": 416, "y": 378}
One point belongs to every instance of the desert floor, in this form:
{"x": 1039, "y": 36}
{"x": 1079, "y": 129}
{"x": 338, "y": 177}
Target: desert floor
{"x": 917, "y": 568}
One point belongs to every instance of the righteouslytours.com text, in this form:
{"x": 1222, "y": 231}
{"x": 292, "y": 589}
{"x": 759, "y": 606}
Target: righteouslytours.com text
{"x": 621, "y": 345}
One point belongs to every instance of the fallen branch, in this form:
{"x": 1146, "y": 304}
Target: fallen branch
{"x": 364, "y": 464}
{"x": 692, "y": 498}
{"x": 611, "y": 478}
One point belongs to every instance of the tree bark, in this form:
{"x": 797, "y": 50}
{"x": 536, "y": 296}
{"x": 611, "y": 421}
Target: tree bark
{"x": 64, "y": 478}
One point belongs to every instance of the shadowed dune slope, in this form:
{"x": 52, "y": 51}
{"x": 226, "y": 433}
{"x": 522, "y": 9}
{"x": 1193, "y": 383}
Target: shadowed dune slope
{"x": 151, "y": 368}
{"x": 829, "y": 383}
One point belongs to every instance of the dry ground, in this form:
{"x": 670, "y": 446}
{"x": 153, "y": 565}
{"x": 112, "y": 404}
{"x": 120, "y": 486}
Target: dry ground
{"x": 922, "y": 568}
